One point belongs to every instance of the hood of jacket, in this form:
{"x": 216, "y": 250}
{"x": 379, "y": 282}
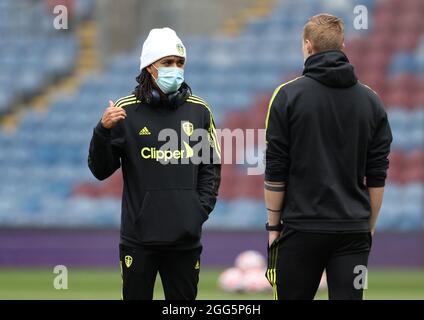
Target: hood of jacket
{"x": 331, "y": 68}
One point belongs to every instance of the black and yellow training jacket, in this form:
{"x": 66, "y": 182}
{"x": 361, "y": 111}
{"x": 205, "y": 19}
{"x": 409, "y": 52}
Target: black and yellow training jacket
{"x": 163, "y": 205}
{"x": 328, "y": 139}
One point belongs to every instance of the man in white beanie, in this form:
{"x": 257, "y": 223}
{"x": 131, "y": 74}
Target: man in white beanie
{"x": 164, "y": 205}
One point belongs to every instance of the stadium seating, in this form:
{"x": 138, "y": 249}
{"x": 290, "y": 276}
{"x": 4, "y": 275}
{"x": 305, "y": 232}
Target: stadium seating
{"x": 32, "y": 53}
{"x": 44, "y": 176}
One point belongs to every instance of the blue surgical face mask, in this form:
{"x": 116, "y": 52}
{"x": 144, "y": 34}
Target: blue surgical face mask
{"x": 169, "y": 78}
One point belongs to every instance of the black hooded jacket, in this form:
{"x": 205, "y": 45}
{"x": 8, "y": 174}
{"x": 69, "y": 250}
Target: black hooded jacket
{"x": 328, "y": 138}
{"x": 163, "y": 204}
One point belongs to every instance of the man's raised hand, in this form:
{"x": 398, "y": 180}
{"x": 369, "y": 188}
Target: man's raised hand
{"x": 112, "y": 115}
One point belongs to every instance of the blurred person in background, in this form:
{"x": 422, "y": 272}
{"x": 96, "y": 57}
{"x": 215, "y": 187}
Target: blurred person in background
{"x": 328, "y": 141}
{"x": 164, "y": 205}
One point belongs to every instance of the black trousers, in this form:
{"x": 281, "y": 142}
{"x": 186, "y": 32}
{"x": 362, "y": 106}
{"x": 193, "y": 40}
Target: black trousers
{"x": 297, "y": 260}
{"x": 178, "y": 269}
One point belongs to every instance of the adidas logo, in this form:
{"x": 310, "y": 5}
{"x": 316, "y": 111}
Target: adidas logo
{"x": 144, "y": 132}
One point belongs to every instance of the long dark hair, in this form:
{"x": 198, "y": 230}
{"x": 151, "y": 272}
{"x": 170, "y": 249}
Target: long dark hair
{"x": 143, "y": 91}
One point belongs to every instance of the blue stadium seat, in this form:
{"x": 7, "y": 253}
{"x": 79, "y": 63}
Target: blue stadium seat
{"x": 30, "y": 54}
{"x": 403, "y": 63}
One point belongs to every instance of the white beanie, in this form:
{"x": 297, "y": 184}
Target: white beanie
{"x": 161, "y": 43}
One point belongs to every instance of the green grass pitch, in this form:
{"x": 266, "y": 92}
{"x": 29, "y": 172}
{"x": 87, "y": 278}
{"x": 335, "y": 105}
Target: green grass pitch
{"x": 106, "y": 284}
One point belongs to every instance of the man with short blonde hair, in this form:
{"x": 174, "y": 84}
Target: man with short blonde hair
{"x": 328, "y": 140}
{"x": 325, "y": 32}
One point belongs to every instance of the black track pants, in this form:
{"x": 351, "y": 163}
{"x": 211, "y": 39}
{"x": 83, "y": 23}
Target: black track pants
{"x": 178, "y": 269}
{"x": 297, "y": 260}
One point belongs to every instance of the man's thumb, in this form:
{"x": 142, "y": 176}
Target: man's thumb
{"x": 111, "y": 104}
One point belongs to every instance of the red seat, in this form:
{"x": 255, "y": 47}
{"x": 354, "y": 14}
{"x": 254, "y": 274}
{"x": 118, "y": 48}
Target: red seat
{"x": 414, "y": 166}
{"x": 404, "y": 82}
{"x": 356, "y": 47}
{"x": 415, "y": 159}
{"x": 255, "y": 121}
{"x": 374, "y": 80}
{"x": 113, "y": 186}
{"x": 383, "y": 21}
{"x": 234, "y": 120}
{"x": 400, "y": 91}
{"x": 395, "y": 175}
{"x": 228, "y": 187}
{"x": 418, "y": 99}
{"x": 410, "y": 22}
{"x": 375, "y": 62}
{"x": 396, "y": 159}
{"x": 260, "y": 108}
{"x": 397, "y": 97}
{"x": 396, "y": 166}
{"x": 250, "y": 186}
{"x": 405, "y": 42}
{"x": 381, "y": 43}
{"x": 386, "y": 8}
{"x": 414, "y": 175}
{"x": 401, "y": 6}
{"x": 410, "y": 5}
{"x": 89, "y": 190}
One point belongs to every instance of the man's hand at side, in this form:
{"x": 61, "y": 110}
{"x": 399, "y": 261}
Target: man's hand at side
{"x": 272, "y": 235}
